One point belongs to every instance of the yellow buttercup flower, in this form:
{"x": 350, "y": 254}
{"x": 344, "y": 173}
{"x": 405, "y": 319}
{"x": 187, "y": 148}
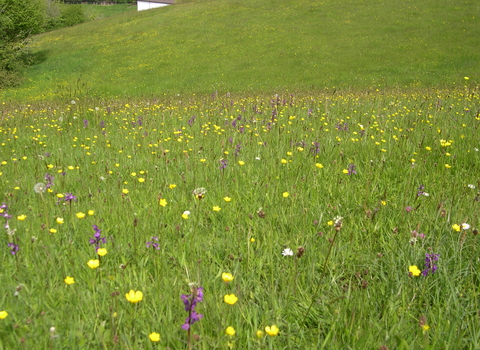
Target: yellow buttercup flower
{"x": 134, "y": 296}
{"x": 456, "y": 227}
{"x": 414, "y": 270}
{"x": 241, "y": 162}
{"x": 285, "y": 194}
{"x": 93, "y": 264}
{"x": 80, "y": 215}
{"x": 172, "y": 186}
{"x": 227, "y": 199}
{"x": 259, "y": 333}
{"x": 3, "y": 314}
{"x": 230, "y": 299}
{"x": 102, "y": 251}
{"x": 154, "y": 337}
{"x": 91, "y": 212}
{"x": 59, "y": 221}
{"x": 272, "y": 330}
{"x": 163, "y": 202}
{"x": 69, "y": 280}
{"x": 230, "y": 331}
{"x": 125, "y": 191}
{"x": 227, "y": 277}
{"x": 52, "y": 230}
{"x": 216, "y": 208}
{"x": 21, "y": 217}
{"x": 319, "y": 165}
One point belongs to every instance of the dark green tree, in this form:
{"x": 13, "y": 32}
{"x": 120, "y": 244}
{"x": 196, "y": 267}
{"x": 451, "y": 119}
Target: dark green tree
{"x": 19, "y": 19}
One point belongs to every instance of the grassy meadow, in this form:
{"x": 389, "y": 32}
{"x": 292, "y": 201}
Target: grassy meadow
{"x": 322, "y": 207}
{"x": 258, "y": 46}
{"x": 246, "y": 175}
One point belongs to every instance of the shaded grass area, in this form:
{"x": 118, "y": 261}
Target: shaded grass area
{"x": 224, "y": 45}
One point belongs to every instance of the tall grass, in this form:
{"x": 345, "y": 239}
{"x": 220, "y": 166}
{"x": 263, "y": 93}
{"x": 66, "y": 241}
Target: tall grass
{"x": 256, "y": 46}
{"x": 401, "y": 170}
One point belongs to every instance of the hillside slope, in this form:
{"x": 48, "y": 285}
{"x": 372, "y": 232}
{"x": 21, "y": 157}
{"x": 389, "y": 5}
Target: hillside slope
{"x": 251, "y": 45}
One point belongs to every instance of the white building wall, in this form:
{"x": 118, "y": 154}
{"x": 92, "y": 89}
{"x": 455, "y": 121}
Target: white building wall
{"x": 147, "y": 5}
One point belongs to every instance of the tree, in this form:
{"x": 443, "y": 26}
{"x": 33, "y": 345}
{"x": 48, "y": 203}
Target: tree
{"x": 19, "y": 19}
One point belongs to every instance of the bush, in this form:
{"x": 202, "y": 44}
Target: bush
{"x": 72, "y": 15}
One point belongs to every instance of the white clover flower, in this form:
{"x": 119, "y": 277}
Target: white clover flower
{"x": 186, "y": 212}
{"x": 465, "y": 226}
{"x": 471, "y": 186}
{"x": 287, "y": 252}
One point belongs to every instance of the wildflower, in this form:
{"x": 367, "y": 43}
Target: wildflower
{"x": 102, "y": 251}
{"x": 49, "y": 181}
{"x": 80, "y": 215}
{"x": 227, "y": 277}
{"x": 14, "y": 248}
{"x": 285, "y": 194}
{"x": 97, "y": 239}
{"x": 21, "y": 217}
{"x": 172, "y": 186}
{"x": 70, "y": 197}
{"x": 190, "y": 301}
{"x": 430, "y": 267}
{"x": 163, "y": 202}
{"x": 3, "y": 314}
{"x": 154, "y": 337}
{"x": 241, "y": 162}
{"x": 252, "y": 239}
{"x": 448, "y": 166}
{"x": 425, "y": 328}
{"x": 465, "y": 226}
{"x": 153, "y": 244}
{"x": 125, "y": 191}
{"x": 227, "y": 199}
{"x": 319, "y": 165}
{"x": 59, "y": 221}
{"x": 471, "y": 186}
{"x": 287, "y": 252}
{"x": 414, "y": 270}
{"x": 69, "y": 280}
{"x": 141, "y": 179}
{"x": 93, "y": 263}
{"x": 351, "y": 169}
{"x": 230, "y": 331}
{"x": 271, "y": 330}
{"x": 456, "y": 227}
{"x": 60, "y": 195}
{"x": 185, "y": 214}
{"x": 91, "y": 212}
{"x": 408, "y": 209}
{"x": 223, "y": 163}
{"x": 345, "y": 171}
{"x": 330, "y": 223}
{"x": 52, "y": 230}
{"x": 216, "y": 208}
{"x": 134, "y": 296}
{"x": 284, "y": 161}
{"x": 230, "y": 299}
{"x": 199, "y": 193}
{"x": 259, "y": 333}
{"x": 39, "y": 188}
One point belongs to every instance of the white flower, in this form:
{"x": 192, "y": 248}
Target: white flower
{"x": 471, "y": 186}
{"x": 186, "y": 212}
{"x": 257, "y": 158}
{"x": 287, "y": 252}
{"x": 465, "y": 226}
{"x": 337, "y": 219}
{"x": 426, "y": 194}
{"x": 39, "y": 187}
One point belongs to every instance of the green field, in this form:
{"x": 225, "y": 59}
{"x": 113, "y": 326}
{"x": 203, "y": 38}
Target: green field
{"x": 253, "y": 46}
{"x": 305, "y": 173}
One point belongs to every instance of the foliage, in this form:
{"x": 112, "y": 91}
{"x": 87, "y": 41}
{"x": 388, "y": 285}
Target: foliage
{"x": 299, "y": 216}
{"x": 19, "y": 20}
